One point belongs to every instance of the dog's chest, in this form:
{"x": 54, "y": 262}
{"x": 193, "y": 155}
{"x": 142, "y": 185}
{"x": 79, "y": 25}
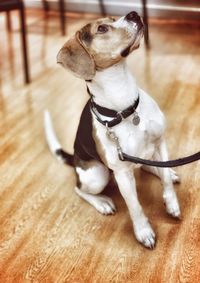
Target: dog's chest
{"x": 140, "y": 139}
{"x": 136, "y": 140}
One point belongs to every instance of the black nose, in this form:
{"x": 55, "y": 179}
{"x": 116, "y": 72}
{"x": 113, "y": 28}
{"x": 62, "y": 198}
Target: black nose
{"x": 132, "y": 17}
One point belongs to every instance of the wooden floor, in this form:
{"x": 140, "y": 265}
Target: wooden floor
{"x": 48, "y": 234}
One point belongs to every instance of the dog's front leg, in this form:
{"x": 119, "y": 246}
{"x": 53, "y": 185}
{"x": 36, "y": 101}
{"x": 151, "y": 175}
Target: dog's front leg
{"x": 127, "y": 186}
{"x": 169, "y": 194}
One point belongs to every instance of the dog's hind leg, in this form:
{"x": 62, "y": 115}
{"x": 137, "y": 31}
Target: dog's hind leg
{"x": 156, "y": 172}
{"x": 152, "y": 170}
{"x": 102, "y": 203}
{"x": 92, "y": 181}
{"x": 175, "y": 178}
{"x": 169, "y": 194}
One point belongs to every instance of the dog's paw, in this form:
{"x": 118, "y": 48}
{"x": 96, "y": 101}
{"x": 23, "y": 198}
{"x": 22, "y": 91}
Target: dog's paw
{"x": 172, "y": 205}
{"x": 145, "y": 235}
{"x": 175, "y": 178}
{"x": 104, "y": 205}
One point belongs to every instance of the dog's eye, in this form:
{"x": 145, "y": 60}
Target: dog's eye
{"x": 102, "y": 29}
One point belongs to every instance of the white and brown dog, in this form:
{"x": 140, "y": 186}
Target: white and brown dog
{"x": 97, "y": 54}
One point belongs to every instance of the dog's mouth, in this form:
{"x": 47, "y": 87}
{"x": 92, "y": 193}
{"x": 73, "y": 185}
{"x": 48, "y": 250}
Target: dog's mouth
{"x": 137, "y": 28}
{"x": 138, "y": 37}
{"x": 135, "y": 42}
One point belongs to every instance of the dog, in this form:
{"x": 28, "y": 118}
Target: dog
{"x": 118, "y": 115}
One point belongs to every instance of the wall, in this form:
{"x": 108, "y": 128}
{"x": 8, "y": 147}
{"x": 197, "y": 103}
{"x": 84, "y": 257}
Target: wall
{"x": 157, "y": 8}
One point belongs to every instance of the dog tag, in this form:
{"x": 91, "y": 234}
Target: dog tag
{"x": 136, "y": 119}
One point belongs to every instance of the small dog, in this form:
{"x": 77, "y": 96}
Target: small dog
{"x": 117, "y": 110}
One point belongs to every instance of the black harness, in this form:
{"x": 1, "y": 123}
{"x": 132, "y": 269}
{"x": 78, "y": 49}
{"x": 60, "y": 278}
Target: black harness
{"x": 84, "y": 145}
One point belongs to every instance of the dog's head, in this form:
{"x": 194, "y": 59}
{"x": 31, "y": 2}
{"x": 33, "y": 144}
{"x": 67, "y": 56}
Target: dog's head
{"x": 101, "y": 44}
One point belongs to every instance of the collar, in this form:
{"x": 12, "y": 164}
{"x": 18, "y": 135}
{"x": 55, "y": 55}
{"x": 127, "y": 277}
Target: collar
{"x": 117, "y": 116}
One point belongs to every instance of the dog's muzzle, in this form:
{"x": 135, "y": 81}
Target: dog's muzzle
{"x": 135, "y": 18}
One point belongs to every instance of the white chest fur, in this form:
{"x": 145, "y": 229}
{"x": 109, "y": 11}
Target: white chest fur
{"x": 140, "y": 140}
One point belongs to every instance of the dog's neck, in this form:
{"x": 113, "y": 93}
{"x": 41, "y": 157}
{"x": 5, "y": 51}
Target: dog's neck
{"x": 114, "y": 87}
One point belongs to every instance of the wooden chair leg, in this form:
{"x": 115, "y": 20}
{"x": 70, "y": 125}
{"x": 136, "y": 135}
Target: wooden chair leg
{"x": 146, "y": 23}
{"x": 24, "y": 44}
{"x": 46, "y": 7}
{"x": 62, "y": 16}
{"x": 8, "y": 21}
{"x": 102, "y": 7}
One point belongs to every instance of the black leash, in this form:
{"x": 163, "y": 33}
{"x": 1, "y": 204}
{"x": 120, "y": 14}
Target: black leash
{"x": 118, "y": 117}
{"x": 171, "y": 163}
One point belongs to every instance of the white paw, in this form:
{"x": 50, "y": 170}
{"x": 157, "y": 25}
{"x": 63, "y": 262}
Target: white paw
{"x": 104, "y": 205}
{"x": 172, "y": 205}
{"x": 174, "y": 176}
{"x": 145, "y": 235}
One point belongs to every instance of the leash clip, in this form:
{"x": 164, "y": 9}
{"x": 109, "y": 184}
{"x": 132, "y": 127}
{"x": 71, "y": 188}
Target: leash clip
{"x": 112, "y": 136}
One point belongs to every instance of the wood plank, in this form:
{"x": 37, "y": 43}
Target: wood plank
{"x": 48, "y": 234}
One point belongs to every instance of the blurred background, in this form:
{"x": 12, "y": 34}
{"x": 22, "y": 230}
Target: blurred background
{"x": 47, "y": 234}
{"x": 29, "y": 17}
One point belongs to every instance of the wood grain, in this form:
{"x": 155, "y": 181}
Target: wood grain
{"x": 48, "y": 234}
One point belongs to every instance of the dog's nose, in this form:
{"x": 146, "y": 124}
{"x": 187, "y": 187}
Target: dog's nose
{"x": 132, "y": 17}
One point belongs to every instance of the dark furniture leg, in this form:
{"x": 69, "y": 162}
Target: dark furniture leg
{"x": 24, "y": 44}
{"x": 62, "y": 16}
{"x": 8, "y": 21}
{"x": 102, "y": 7}
{"x": 46, "y": 8}
{"x": 145, "y": 19}
{"x": 61, "y": 4}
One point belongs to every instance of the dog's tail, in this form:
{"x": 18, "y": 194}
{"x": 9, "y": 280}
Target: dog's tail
{"x": 53, "y": 142}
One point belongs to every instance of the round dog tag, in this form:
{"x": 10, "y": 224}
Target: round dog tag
{"x": 136, "y": 119}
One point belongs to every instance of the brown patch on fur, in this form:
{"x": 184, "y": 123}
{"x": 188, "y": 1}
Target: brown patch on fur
{"x": 75, "y": 57}
{"x": 105, "y": 48}
{"x": 85, "y": 35}
{"x": 90, "y": 49}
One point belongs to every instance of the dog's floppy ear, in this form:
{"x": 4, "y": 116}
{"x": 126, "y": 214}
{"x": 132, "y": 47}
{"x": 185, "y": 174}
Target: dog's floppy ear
{"x": 74, "y": 57}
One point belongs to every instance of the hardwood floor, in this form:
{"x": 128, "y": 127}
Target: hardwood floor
{"x": 48, "y": 234}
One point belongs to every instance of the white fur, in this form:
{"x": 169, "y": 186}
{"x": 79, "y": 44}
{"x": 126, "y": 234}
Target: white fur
{"x": 127, "y": 25}
{"x": 115, "y": 88}
{"x": 94, "y": 179}
{"x": 51, "y": 138}
{"x": 102, "y": 203}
